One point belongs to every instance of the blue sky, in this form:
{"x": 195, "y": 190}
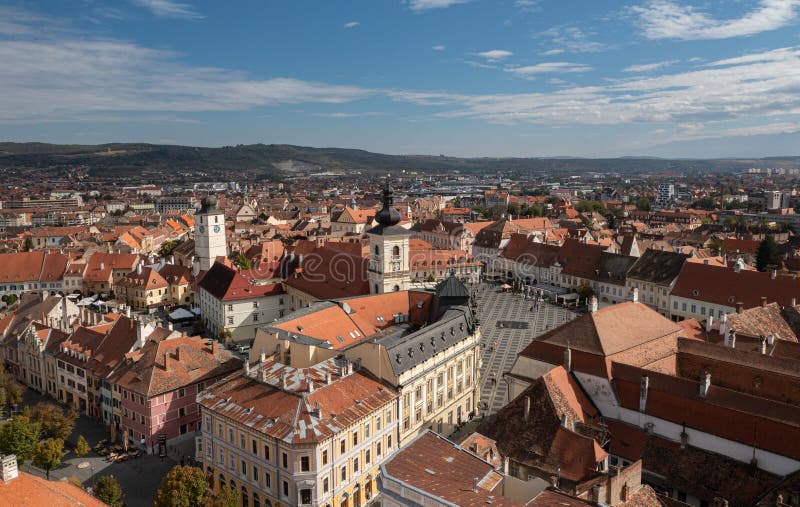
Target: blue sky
{"x": 460, "y": 77}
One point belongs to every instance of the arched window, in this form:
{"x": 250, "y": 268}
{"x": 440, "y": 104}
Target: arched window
{"x": 377, "y": 250}
{"x": 396, "y": 251}
{"x": 245, "y": 498}
{"x": 221, "y": 481}
{"x": 256, "y": 500}
{"x": 396, "y": 288}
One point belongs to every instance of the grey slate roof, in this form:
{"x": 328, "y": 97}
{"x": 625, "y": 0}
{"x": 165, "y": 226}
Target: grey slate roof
{"x": 407, "y": 351}
{"x": 657, "y": 266}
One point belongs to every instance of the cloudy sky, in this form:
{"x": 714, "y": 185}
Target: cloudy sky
{"x": 460, "y": 77}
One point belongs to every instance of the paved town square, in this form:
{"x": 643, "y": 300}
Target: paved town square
{"x": 508, "y": 324}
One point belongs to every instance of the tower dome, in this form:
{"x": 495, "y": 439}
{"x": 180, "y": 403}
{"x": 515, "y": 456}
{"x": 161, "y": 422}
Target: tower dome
{"x": 388, "y": 215}
{"x": 209, "y": 205}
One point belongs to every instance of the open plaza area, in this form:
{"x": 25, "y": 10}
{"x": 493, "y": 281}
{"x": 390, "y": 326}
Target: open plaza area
{"x": 509, "y": 322}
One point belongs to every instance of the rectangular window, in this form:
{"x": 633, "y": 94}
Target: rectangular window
{"x": 388, "y": 441}
{"x": 255, "y": 473}
{"x": 355, "y": 465}
{"x": 378, "y": 423}
{"x": 285, "y": 460}
{"x": 378, "y": 449}
{"x": 355, "y": 438}
{"x": 244, "y": 468}
{"x": 325, "y": 485}
{"x": 305, "y": 496}
{"x": 367, "y": 457}
{"x": 181, "y": 392}
{"x": 181, "y": 411}
{"x": 241, "y": 440}
{"x": 343, "y": 473}
{"x": 305, "y": 463}
{"x": 325, "y": 457}
{"x": 285, "y": 488}
{"x": 366, "y": 431}
{"x": 342, "y": 447}
{"x": 268, "y": 480}
{"x": 266, "y": 452}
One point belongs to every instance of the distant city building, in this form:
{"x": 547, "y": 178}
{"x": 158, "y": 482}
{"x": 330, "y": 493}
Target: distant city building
{"x": 174, "y": 203}
{"x": 666, "y": 194}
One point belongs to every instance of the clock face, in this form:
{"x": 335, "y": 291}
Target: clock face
{"x": 216, "y": 228}
{"x": 202, "y": 229}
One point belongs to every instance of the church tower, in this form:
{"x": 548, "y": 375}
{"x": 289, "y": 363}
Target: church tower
{"x": 389, "y": 254}
{"x": 209, "y": 234}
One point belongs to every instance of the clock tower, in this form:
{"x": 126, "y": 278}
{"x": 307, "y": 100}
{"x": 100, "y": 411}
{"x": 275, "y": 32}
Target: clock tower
{"x": 389, "y": 255}
{"x": 209, "y": 234}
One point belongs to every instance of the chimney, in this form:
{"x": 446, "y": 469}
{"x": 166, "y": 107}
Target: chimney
{"x": 773, "y": 274}
{"x": 635, "y": 295}
{"x": 644, "y": 385}
{"x": 593, "y": 304}
{"x": 771, "y": 340}
{"x": 246, "y": 365}
{"x": 140, "y": 333}
{"x": 568, "y": 358}
{"x": 102, "y": 266}
{"x": 316, "y": 412}
{"x": 170, "y": 326}
{"x": 763, "y": 301}
{"x": 285, "y": 381}
{"x": 763, "y": 345}
{"x": 263, "y": 356}
{"x": 10, "y": 470}
{"x": 730, "y": 339}
{"x": 739, "y": 307}
{"x": 794, "y": 301}
{"x": 327, "y": 377}
{"x": 527, "y": 407}
{"x": 705, "y": 383}
{"x": 128, "y": 311}
{"x": 475, "y": 484}
{"x": 264, "y": 374}
{"x": 139, "y": 269}
{"x": 310, "y": 385}
{"x": 214, "y": 347}
{"x": 709, "y": 323}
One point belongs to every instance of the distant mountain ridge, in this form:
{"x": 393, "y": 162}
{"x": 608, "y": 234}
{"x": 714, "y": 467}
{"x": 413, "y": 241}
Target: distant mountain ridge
{"x": 119, "y": 160}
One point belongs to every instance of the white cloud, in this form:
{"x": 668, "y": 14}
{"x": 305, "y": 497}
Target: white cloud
{"x": 479, "y": 65}
{"x": 351, "y": 24}
{"x": 548, "y": 68}
{"x": 569, "y": 39}
{"x": 169, "y": 9}
{"x": 426, "y": 5}
{"x": 40, "y": 82}
{"x": 666, "y": 19}
{"x": 649, "y": 67}
{"x": 439, "y": 48}
{"x": 349, "y": 115}
{"x": 495, "y": 54}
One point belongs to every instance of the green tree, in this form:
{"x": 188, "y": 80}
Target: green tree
{"x": 716, "y": 244}
{"x": 55, "y": 422}
{"x": 47, "y": 454}
{"x": 10, "y": 390}
{"x": 28, "y": 244}
{"x": 242, "y": 262}
{"x": 19, "y": 436}
{"x": 11, "y": 299}
{"x": 585, "y": 291}
{"x": 81, "y": 447}
{"x": 183, "y": 486}
{"x": 643, "y": 204}
{"x": 767, "y": 254}
{"x": 108, "y": 490}
{"x": 167, "y": 248}
{"x": 223, "y": 497}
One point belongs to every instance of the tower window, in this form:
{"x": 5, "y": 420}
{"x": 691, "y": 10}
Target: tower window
{"x": 377, "y": 250}
{"x": 396, "y": 250}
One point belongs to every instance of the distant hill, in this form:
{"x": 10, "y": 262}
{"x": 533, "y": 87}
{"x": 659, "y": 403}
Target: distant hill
{"x": 262, "y": 161}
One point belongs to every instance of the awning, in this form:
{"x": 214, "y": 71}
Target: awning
{"x": 181, "y": 314}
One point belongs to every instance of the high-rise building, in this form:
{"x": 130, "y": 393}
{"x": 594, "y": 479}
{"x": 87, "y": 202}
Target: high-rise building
{"x": 666, "y": 192}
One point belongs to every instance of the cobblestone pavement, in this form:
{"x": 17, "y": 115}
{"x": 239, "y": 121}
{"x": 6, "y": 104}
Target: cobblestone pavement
{"x": 508, "y": 325}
